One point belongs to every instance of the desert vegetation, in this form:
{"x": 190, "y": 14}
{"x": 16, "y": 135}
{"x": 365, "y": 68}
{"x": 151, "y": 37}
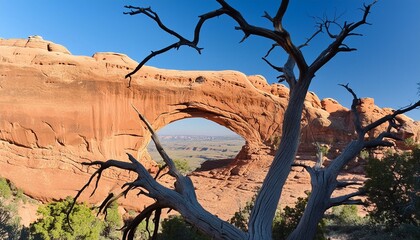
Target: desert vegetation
{"x": 392, "y": 214}
{"x": 298, "y": 72}
{"x": 10, "y": 222}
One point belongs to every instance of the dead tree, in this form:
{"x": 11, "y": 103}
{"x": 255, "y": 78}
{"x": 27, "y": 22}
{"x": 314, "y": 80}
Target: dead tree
{"x": 182, "y": 198}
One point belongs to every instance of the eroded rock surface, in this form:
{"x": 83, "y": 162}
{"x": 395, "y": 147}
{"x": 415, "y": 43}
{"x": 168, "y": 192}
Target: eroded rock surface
{"x": 58, "y": 110}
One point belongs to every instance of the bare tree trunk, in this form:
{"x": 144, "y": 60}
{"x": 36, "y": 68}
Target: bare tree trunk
{"x": 262, "y": 215}
{"x": 315, "y": 208}
{"x": 323, "y": 183}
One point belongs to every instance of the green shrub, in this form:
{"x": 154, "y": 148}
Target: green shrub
{"x": 5, "y": 190}
{"x": 182, "y": 166}
{"x": 241, "y": 217}
{"x": 324, "y": 149}
{"x": 52, "y": 223}
{"x": 10, "y": 227}
{"x": 21, "y": 196}
{"x": 364, "y": 154}
{"x": 8, "y": 189}
{"x": 144, "y": 230}
{"x": 411, "y": 143}
{"x": 275, "y": 141}
{"x": 346, "y": 215}
{"x": 393, "y": 187}
{"x": 175, "y": 228}
{"x": 288, "y": 219}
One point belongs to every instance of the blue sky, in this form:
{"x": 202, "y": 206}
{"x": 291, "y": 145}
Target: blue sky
{"x": 385, "y": 67}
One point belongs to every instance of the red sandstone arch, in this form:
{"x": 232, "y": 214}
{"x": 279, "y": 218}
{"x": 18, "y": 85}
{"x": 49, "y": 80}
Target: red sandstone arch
{"x": 57, "y": 110}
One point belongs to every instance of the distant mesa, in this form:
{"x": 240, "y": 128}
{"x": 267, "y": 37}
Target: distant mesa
{"x": 58, "y": 110}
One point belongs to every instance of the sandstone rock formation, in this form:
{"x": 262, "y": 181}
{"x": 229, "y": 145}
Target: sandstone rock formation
{"x": 58, "y": 110}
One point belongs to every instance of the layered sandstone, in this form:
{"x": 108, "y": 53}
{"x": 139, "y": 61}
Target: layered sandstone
{"x": 58, "y": 110}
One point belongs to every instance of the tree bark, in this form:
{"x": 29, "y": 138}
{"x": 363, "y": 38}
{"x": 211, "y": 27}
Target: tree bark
{"x": 323, "y": 184}
{"x": 317, "y": 204}
{"x": 262, "y": 215}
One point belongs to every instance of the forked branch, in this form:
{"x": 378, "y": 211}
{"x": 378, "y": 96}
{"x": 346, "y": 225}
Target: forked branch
{"x": 336, "y": 201}
{"x": 391, "y": 117}
{"x": 130, "y": 229}
{"x": 279, "y": 35}
{"x": 287, "y": 70}
{"x": 98, "y": 174}
{"x": 356, "y": 116}
{"x": 347, "y": 29}
{"x": 182, "y": 198}
{"x": 182, "y": 41}
{"x": 361, "y": 142}
{"x": 278, "y": 19}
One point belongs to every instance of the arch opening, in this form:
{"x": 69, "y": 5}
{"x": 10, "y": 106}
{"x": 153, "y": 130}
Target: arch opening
{"x": 201, "y": 143}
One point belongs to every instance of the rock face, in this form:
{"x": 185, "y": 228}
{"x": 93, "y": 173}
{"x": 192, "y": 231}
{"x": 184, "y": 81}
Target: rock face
{"x": 58, "y": 110}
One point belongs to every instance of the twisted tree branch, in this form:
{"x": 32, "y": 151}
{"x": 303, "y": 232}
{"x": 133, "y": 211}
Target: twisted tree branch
{"x": 309, "y": 169}
{"x": 98, "y": 173}
{"x": 337, "y": 45}
{"x": 356, "y": 102}
{"x": 278, "y": 35}
{"x": 346, "y": 184}
{"x": 289, "y": 66}
{"x": 336, "y": 201}
{"x": 391, "y": 117}
{"x": 277, "y": 20}
{"x": 182, "y": 41}
{"x": 130, "y": 229}
{"x": 168, "y": 161}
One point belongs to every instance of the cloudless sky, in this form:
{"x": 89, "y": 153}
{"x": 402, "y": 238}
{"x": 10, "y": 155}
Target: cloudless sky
{"x": 385, "y": 67}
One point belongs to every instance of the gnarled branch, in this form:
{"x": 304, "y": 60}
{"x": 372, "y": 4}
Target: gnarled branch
{"x": 130, "y": 229}
{"x": 306, "y": 167}
{"x": 182, "y": 41}
{"x": 346, "y": 184}
{"x": 337, "y": 45}
{"x": 289, "y": 66}
{"x": 182, "y": 198}
{"x": 168, "y": 161}
{"x": 336, "y": 201}
{"x": 278, "y": 35}
{"x": 356, "y": 102}
{"x": 98, "y": 174}
{"x": 392, "y": 116}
